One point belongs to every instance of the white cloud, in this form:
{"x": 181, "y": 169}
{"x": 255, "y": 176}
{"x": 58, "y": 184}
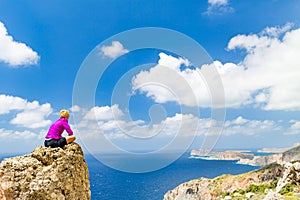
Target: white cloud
{"x": 166, "y": 82}
{"x": 170, "y": 126}
{"x": 218, "y": 2}
{"x": 104, "y": 113}
{"x": 8, "y": 103}
{"x": 19, "y": 135}
{"x": 270, "y": 71}
{"x": 33, "y": 116}
{"x": 294, "y": 128}
{"x": 118, "y": 128}
{"x": 266, "y": 78}
{"x": 277, "y": 31}
{"x": 116, "y": 49}
{"x": 244, "y": 126}
{"x": 30, "y": 114}
{"x": 75, "y": 108}
{"x": 218, "y": 7}
{"x": 15, "y": 53}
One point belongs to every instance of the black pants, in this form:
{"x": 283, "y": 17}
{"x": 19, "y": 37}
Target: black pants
{"x": 56, "y": 143}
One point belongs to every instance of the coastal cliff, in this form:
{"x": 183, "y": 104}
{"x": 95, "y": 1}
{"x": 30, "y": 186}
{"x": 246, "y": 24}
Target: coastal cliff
{"x": 280, "y": 158}
{"x": 273, "y": 182}
{"x": 46, "y": 174}
{"x": 231, "y": 155}
{"x": 241, "y": 157}
{"x": 223, "y": 155}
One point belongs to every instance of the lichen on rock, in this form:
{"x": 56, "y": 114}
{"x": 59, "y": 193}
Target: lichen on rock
{"x": 46, "y": 174}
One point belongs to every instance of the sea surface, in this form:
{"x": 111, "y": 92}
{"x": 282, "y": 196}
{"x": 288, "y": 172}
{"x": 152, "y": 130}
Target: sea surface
{"x": 110, "y": 184}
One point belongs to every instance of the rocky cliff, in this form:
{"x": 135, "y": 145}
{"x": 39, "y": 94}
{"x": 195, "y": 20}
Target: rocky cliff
{"x": 280, "y": 158}
{"x": 231, "y": 155}
{"x": 46, "y": 174}
{"x": 273, "y": 182}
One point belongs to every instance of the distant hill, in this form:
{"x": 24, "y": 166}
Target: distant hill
{"x": 272, "y": 182}
{"x": 290, "y": 155}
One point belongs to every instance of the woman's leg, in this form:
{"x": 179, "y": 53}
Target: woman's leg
{"x": 70, "y": 139}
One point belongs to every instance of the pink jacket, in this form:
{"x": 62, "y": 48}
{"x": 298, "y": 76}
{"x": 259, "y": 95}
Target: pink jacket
{"x": 57, "y": 128}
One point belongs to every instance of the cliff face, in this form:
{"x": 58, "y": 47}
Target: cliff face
{"x": 231, "y": 155}
{"x": 273, "y": 182}
{"x": 46, "y": 173}
{"x": 280, "y": 158}
{"x": 209, "y": 189}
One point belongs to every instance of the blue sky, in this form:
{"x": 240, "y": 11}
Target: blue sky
{"x": 254, "y": 46}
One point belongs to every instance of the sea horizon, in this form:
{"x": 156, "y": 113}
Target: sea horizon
{"x": 108, "y": 184}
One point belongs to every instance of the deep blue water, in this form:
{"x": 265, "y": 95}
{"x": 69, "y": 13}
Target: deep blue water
{"x": 110, "y": 184}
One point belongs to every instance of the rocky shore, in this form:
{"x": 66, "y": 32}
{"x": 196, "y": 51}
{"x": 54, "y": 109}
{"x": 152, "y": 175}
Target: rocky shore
{"x": 273, "y": 182}
{"x": 280, "y": 158}
{"x": 241, "y": 157}
{"x": 46, "y": 174}
{"x": 279, "y": 178}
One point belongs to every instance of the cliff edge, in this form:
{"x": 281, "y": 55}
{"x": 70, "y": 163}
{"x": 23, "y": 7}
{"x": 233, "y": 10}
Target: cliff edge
{"x": 273, "y": 182}
{"x": 290, "y": 155}
{"x": 46, "y": 174}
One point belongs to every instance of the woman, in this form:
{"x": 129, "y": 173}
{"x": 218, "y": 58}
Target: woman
{"x": 54, "y": 136}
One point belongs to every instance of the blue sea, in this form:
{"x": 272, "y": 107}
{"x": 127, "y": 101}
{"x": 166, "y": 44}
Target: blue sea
{"x": 110, "y": 184}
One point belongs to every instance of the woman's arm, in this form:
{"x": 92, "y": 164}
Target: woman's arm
{"x": 67, "y": 128}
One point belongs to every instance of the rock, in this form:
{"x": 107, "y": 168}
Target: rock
{"x": 263, "y": 160}
{"x": 209, "y": 189}
{"x": 249, "y": 195}
{"x": 46, "y": 174}
{"x": 227, "y": 198}
{"x": 280, "y": 158}
{"x": 273, "y": 196}
{"x": 231, "y": 155}
{"x": 291, "y": 175}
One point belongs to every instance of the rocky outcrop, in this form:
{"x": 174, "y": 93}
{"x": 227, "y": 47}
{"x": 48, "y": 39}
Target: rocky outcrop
{"x": 231, "y": 155}
{"x": 263, "y": 160}
{"x": 46, "y": 174}
{"x": 280, "y": 158}
{"x": 291, "y": 175}
{"x": 225, "y": 155}
{"x": 273, "y": 182}
{"x": 202, "y": 152}
{"x": 241, "y": 157}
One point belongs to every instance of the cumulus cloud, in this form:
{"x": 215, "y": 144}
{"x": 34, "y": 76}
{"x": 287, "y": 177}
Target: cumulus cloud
{"x": 294, "y": 127}
{"x": 218, "y": 2}
{"x": 188, "y": 124}
{"x": 114, "y": 128}
{"x": 116, "y": 49}
{"x": 218, "y": 7}
{"x": 15, "y": 53}
{"x": 29, "y": 114}
{"x": 104, "y": 113}
{"x": 75, "y": 108}
{"x": 11, "y": 134}
{"x": 244, "y": 126}
{"x": 166, "y": 82}
{"x": 266, "y": 78}
{"x": 8, "y": 103}
{"x": 269, "y": 73}
{"x": 277, "y": 31}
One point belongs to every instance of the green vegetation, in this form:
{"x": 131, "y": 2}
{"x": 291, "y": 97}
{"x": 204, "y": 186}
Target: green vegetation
{"x": 260, "y": 188}
{"x": 257, "y": 189}
{"x": 224, "y": 194}
{"x": 287, "y": 189}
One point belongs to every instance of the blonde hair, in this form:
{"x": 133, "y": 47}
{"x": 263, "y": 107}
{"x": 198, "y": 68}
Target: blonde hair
{"x": 64, "y": 114}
